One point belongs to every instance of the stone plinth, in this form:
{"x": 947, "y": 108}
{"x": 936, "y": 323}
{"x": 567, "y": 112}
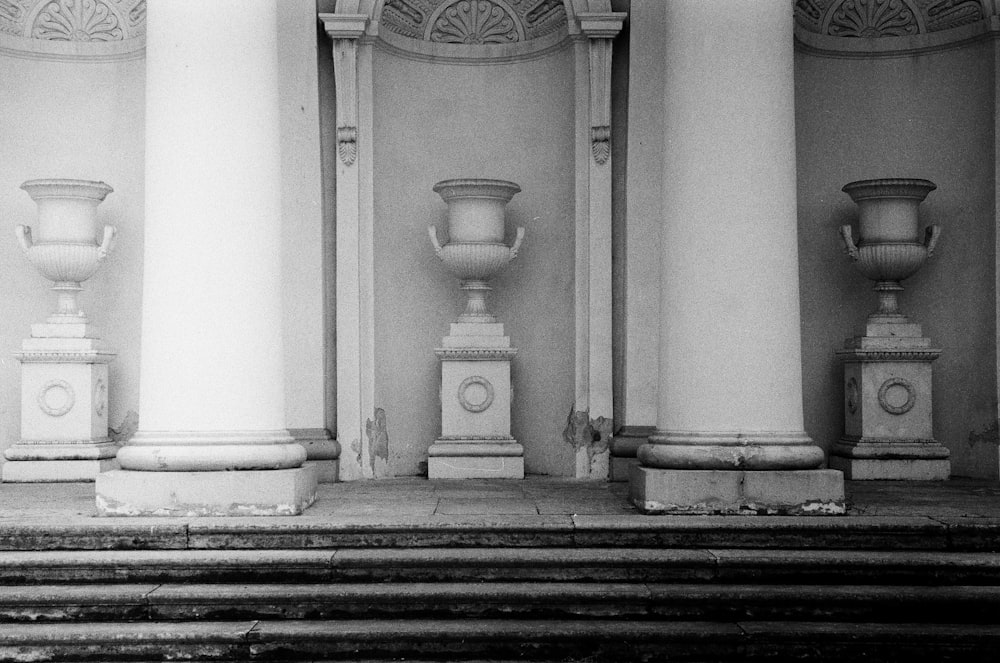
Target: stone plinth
{"x": 475, "y": 437}
{"x": 244, "y": 493}
{"x": 762, "y": 492}
{"x": 888, "y": 431}
{"x": 64, "y": 407}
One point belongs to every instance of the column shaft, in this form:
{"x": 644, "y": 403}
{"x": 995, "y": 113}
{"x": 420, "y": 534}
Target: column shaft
{"x": 212, "y": 384}
{"x": 730, "y": 353}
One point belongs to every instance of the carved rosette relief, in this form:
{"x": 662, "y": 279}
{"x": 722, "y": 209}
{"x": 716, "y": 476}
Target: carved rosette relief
{"x": 886, "y": 18}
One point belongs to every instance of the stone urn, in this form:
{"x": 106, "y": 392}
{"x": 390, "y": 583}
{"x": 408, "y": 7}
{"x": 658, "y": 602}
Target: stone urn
{"x": 889, "y": 248}
{"x": 475, "y": 251}
{"x": 64, "y": 246}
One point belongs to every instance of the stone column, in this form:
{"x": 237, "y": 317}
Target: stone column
{"x": 212, "y": 437}
{"x": 729, "y": 432}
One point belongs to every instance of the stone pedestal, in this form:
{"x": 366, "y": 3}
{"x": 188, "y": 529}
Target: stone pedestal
{"x": 64, "y": 407}
{"x": 888, "y": 431}
{"x": 475, "y": 437}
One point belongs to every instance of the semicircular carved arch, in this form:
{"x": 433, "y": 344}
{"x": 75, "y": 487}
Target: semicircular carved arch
{"x": 887, "y": 18}
{"x": 473, "y": 22}
{"x": 73, "y": 29}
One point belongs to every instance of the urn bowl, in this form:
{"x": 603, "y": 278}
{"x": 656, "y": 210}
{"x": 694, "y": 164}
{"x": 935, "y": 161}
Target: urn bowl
{"x": 890, "y": 262}
{"x": 887, "y": 208}
{"x": 474, "y": 261}
{"x": 476, "y": 208}
{"x": 67, "y": 209}
{"x": 63, "y": 262}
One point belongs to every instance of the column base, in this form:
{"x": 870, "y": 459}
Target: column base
{"x": 55, "y": 471}
{"x": 235, "y": 493}
{"x": 761, "y": 492}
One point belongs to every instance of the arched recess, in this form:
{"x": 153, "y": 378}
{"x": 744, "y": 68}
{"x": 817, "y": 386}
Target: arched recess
{"x": 381, "y": 135}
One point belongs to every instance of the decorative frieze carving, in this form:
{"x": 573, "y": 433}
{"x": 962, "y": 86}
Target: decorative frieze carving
{"x": 872, "y": 18}
{"x": 473, "y": 22}
{"x": 600, "y": 138}
{"x": 78, "y": 20}
{"x": 887, "y": 18}
{"x": 347, "y": 144}
{"x": 74, "y": 20}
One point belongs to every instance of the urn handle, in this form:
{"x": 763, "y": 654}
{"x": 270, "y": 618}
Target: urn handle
{"x": 849, "y": 247}
{"x": 517, "y": 242}
{"x": 433, "y": 232}
{"x": 106, "y": 242}
{"x": 24, "y": 237}
{"x": 931, "y": 235}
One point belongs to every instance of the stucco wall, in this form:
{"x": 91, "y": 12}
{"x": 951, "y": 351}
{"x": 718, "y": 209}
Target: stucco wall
{"x": 76, "y": 120}
{"x": 928, "y": 116}
{"x": 509, "y": 121}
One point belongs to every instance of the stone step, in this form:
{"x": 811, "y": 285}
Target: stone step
{"x": 538, "y": 640}
{"x": 499, "y": 564}
{"x": 621, "y": 531}
{"x": 462, "y": 601}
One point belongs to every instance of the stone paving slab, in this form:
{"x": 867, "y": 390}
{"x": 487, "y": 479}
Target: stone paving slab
{"x": 959, "y": 514}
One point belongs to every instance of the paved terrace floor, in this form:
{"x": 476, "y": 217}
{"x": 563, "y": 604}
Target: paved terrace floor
{"x": 535, "y": 499}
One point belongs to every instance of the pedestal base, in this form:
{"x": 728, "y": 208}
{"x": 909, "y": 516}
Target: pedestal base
{"x": 760, "y": 492}
{"x": 621, "y": 468}
{"x": 236, "y": 493}
{"x": 900, "y": 469}
{"x": 475, "y": 467}
{"x": 55, "y": 471}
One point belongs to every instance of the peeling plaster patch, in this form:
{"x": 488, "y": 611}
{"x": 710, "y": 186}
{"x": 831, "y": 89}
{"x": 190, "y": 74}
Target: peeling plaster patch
{"x": 378, "y": 443}
{"x": 356, "y": 448}
{"x": 989, "y": 435}
{"x": 128, "y": 427}
{"x": 592, "y": 436}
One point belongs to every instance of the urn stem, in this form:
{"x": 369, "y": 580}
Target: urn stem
{"x": 888, "y": 302}
{"x": 475, "y": 306}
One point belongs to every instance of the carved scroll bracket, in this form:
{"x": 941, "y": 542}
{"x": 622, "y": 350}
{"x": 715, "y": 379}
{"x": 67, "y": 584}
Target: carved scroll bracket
{"x": 346, "y": 30}
{"x": 600, "y": 28}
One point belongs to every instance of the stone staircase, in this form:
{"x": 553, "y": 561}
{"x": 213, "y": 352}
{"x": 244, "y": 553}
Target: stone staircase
{"x": 598, "y": 589}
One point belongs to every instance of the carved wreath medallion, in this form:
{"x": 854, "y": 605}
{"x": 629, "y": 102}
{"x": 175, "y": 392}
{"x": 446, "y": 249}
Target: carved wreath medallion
{"x": 890, "y": 407}
{"x": 56, "y": 398}
{"x": 481, "y": 398}
{"x": 853, "y": 395}
{"x": 100, "y": 397}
